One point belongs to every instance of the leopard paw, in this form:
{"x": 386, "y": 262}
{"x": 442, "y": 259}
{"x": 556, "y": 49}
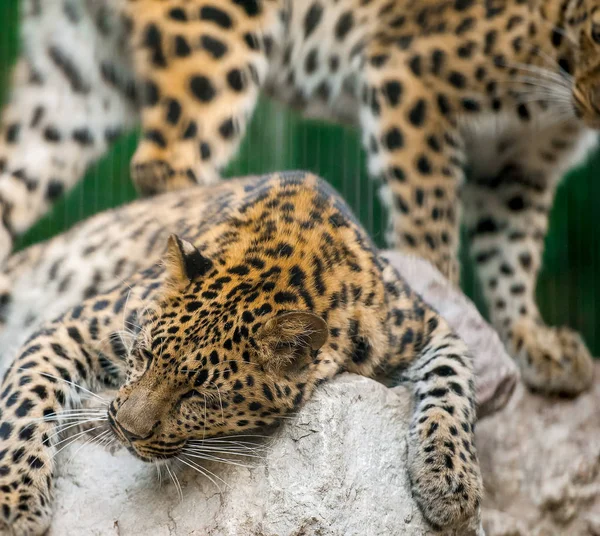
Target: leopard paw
{"x": 157, "y": 177}
{"x": 552, "y": 360}
{"x": 448, "y": 488}
{"x": 156, "y": 170}
{"x": 25, "y": 511}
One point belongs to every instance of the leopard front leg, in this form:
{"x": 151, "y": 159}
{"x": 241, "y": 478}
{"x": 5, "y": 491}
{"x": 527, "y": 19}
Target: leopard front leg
{"x": 41, "y": 400}
{"x": 414, "y": 145}
{"x": 443, "y": 464}
{"x": 507, "y": 218}
{"x": 202, "y": 65}
{"x": 437, "y": 367}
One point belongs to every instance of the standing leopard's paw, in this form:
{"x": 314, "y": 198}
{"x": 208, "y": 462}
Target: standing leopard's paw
{"x": 155, "y": 170}
{"x": 552, "y": 360}
{"x": 157, "y": 177}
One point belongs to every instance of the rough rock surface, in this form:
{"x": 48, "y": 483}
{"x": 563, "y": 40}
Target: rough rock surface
{"x": 336, "y": 469}
{"x": 540, "y": 461}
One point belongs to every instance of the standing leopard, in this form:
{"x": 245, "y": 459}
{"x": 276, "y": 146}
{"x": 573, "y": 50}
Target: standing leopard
{"x": 268, "y": 288}
{"x": 506, "y": 88}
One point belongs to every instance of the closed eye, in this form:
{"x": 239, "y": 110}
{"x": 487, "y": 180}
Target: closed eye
{"x": 147, "y": 355}
{"x": 192, "y": 394}
{"x": 193, "y": 397}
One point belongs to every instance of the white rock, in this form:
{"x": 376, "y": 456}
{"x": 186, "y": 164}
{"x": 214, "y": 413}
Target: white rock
{"x": 337, "y": 468}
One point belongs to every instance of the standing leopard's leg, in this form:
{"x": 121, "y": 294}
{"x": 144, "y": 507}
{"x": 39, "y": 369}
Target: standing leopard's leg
{"x": 202, "y": 64}
{"x": 61, "y": 112}
{"x": 414, "y": 145}
{"x": 507, "y": 218}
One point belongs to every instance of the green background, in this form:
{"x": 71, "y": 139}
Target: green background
{"x": 278, "y": 139}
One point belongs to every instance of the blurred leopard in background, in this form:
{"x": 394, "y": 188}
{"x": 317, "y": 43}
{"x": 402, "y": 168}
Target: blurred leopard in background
{"x": 509, "y": 88}
{"x": 269, "y": 288}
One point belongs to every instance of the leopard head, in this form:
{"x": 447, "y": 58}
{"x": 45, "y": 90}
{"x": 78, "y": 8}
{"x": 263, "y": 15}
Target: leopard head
{"x": 219, "y": 354}
{"x": 584, "y": 22}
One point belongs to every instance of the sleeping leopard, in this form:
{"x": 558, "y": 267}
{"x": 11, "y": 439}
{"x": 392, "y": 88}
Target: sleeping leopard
{"x": 508, "y": 88}
{"x": 240, "y": 299}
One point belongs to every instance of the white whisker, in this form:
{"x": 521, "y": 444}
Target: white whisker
{"x": 202, "y": 471}
{"x": 540, "y": 72}
{"x": 209, "y": 457}
{"x": 61, "y": 417}
{"x": 226, "y": 444}
{"x": 175, "y": 481}
{"x": 204, "y": 427}
{"x": 73, "y": 438}
{"x": 225, "y": 452}
{"x": 67, "y": 426}
{"x": 158, "y": 473}
{"x": 233, "y": 437}
{"x": 107, "y": 441}
{"x": 220, "y": 402}
{"x": 561, "y": 31}
{"x": 73, "y": 384}
{"x": 88, "y": 442}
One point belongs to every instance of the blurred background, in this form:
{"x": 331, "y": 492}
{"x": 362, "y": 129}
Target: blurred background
{"x": 278, "y": 139}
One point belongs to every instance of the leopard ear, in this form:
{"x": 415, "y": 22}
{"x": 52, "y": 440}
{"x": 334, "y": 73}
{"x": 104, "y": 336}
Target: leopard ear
{"x": 288, "y": 339}
{"x": 184, "y": 262}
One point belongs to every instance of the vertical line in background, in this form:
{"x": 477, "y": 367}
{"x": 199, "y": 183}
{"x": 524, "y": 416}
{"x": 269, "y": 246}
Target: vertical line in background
{"x": 260, "y": 154}
{"x": 370, "y": 197}
{"x": 344, "y": 166}
{"x": 360, "y": 202}
{"x": 280, "y": 127}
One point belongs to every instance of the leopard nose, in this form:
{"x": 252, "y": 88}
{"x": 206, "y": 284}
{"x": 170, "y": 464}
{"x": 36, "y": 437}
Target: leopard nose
{"x": 139, "y": 414}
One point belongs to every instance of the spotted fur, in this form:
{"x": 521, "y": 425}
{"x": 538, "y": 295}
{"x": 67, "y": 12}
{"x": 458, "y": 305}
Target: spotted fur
{"x": 268, "y": 287}
{"x": 507, "y": 87}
